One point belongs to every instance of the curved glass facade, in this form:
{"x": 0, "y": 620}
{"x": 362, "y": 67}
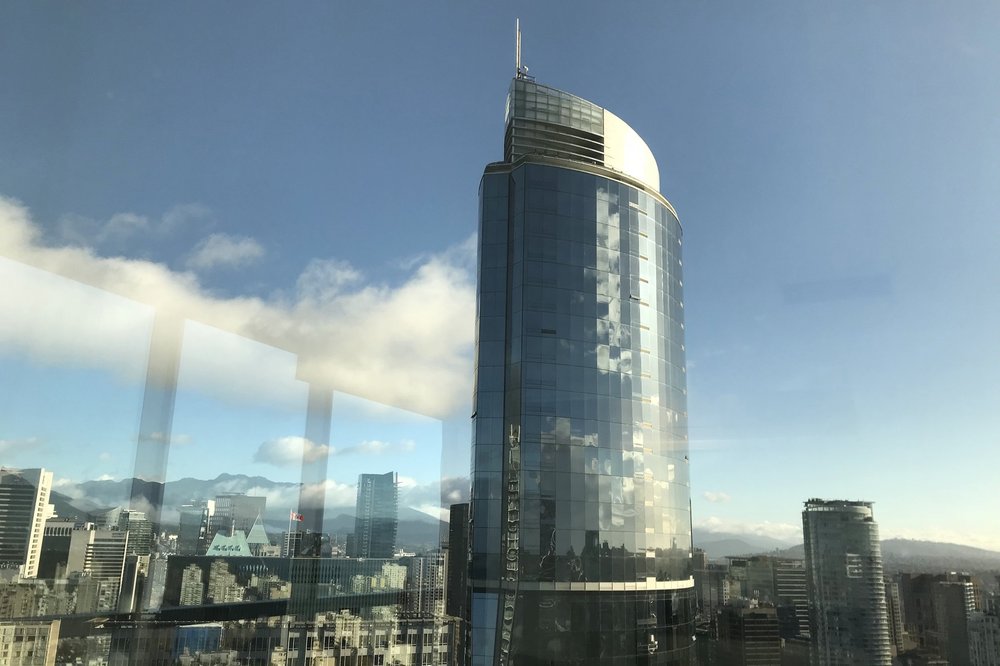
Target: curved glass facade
{"x": 581, "y": 529}
{"x": 849, "y": 616}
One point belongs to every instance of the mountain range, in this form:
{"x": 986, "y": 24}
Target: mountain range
{"x": 417, "y": 530}
{"x": 897, "y": 554}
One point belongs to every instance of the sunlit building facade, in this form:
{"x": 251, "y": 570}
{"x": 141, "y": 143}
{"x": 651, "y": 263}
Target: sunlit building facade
{"x": 24, "y": 508}
{"x": 581, "y": 538}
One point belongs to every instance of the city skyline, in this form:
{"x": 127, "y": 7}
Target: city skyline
{"x": 805, "y": 358}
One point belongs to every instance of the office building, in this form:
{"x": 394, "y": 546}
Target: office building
{"x": 192, "y": 587}
{"x": 54, "y": 554}
{"x": 711, "y": 589}
{"x": 791, "y": 598}
{"x": 104, "y": 562}
{"x": 24, "y": 508}
{"x": 346, "y": 638}
{"x": 194, "y": 527}
{"x": 984, "y": 635}
{"x": 848, "y": 616}
{"x": 894, "y": 610}
{"x": 140, "y": 529}
{"x": 236, "y": 511}
{"x": 375, "y": 519}
{"x": 581, "y": 539}
{"x": 749, "y": 636}
{"x": 29, "y": 644}
{"x": 424, "y": 586}
{"x": 291, "y": 544}
{"x": 936, "y": 612}
{"x": 458, "y": 560}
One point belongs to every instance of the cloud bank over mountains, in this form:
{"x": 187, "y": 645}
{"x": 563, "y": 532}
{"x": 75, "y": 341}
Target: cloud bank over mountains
{"x": 407, "y": 345}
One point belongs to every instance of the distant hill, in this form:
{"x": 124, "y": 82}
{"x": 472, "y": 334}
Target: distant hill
{"x": 902, "y": 555}
{"x": 718, "y": 545}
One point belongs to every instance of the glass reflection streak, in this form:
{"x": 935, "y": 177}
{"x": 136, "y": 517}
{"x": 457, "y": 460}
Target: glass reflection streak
{"x": 581, "y": 533}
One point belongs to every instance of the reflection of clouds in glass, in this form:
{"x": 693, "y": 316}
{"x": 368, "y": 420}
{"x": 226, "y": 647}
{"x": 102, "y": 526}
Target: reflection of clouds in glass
{"x": 290, "y": 451}
{"x": 377, "y": 447}
{"x": 402, "y": 345}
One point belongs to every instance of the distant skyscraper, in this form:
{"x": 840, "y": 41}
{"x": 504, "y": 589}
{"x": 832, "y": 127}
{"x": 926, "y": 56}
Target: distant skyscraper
{"x": 936, "y": 610}
{"x": 581, "y": 539}
{"x": 375, "y": 521}
{"x": 24, "y": 508}
{"x": 236, "y": 511}
{"x": 140, "y": 531}
{"x": 193, "y": 534}
{"x": 848, "y": 613}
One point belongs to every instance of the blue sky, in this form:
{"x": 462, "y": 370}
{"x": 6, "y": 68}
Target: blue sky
{"x": 835, "y": 168}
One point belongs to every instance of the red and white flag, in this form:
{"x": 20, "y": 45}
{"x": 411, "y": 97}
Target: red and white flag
{"x": 296, "y": 516}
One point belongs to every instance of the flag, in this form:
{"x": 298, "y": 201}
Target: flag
{"x": 296, "y": 516}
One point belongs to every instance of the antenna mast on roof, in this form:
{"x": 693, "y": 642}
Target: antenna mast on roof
{"x": 521, "y": 71}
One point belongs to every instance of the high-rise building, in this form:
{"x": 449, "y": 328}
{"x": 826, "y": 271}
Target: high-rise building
{"x": 24, "y": 508}
{"x": 104, "y": 560}
{"x": 792, "y": 599}
{"x": 984, "y": 635}
{"x": 27, "y": 644}
{"x": 424, "y": 585}
{"x": 749, "y": 636}
{"x": 140, "y": 531}
{"x": 936, "y": 609}
{"x": 54, "y": 554}
{"x": 894, "y": 610}
{"x": 458, "y": 560}
{"x": 236, "y": 511}
{"x": 375, "y": 519}
{"x": 581, "y": 539}
{"x": 193, "y": 533}
{"x": 848, "y": 616}
{"x": 192, "y": 586}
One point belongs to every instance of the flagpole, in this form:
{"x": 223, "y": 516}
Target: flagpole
{"x": 289, "y": 547}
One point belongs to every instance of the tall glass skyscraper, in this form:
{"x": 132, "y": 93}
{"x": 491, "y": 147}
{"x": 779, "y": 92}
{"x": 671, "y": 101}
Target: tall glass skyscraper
{"x": 376, "y": 517}
{"x": 581, "y": 528}
{"x": 848, "y": 615}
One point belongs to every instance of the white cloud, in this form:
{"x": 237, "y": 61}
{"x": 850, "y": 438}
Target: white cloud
{"x": 124, "y": 230}
{"x": 378, "y": 447}
{"x": 406, "y": 345}
{"x": 290, "y": 451}
{"x": 323, "y": 280}
{"x": 715, "y": 497}
{"x": 455, "y": 490}
{"x": 781, "y": 531}
{"x": 17, "y": 445}
{"x": 224, "y": 250}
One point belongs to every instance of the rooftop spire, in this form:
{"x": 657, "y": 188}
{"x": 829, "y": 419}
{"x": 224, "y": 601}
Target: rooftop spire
{"x": 521, "y": 71}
